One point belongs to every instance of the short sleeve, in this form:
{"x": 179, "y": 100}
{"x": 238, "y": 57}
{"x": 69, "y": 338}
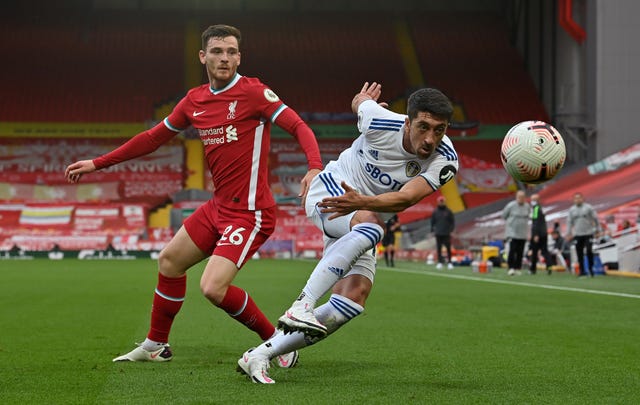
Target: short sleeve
{"x": 374, "y": 119}
{"x": 178, "y": 119}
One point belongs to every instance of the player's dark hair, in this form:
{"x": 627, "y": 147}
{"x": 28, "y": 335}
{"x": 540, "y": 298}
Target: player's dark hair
{"x": 429, "y": 100}
{"x": 220, "y": 31}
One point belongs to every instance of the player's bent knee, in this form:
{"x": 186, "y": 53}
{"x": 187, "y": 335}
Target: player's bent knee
{"x": 167, "y": 264}
{"x": 212, "y": 291}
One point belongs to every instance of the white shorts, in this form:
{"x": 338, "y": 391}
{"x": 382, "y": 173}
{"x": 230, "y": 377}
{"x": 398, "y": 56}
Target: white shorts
{"x": 327, "y": 184}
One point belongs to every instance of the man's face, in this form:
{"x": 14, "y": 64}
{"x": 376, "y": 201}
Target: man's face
{"x": 423, "y": 134}
{"x": 222, "y": 58}
{"x": 578, "y": 199}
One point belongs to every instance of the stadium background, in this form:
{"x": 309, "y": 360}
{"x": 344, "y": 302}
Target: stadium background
{"x": 80, "y": 76}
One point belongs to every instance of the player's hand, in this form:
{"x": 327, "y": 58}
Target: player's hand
{"x": 75, "y": 170}
{"x": 342, "y": 205}
{"x": 368, "y": 92}
{"x": 305, "y": 183}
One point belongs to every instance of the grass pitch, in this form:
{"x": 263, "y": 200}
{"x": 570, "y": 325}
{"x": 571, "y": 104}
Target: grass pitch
{"x": 426, "y": 336}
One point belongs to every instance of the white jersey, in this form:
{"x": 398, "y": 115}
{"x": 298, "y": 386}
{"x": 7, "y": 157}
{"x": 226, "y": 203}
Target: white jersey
{"x": 377, "y": 163}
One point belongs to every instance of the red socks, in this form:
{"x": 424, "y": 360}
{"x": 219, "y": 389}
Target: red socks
{"x": 167, "y": 301}
{"x": 169, "y": 297}
{"x": 239, "y": 305}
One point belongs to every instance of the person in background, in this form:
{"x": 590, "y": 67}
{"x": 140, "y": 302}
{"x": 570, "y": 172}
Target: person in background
{"x": 582, "y": 226}
{"x": 516, "y": 216}
{"x": 442, "y": 224}
{"x": 389, "y": 240}
{"x": 538, "y": 243}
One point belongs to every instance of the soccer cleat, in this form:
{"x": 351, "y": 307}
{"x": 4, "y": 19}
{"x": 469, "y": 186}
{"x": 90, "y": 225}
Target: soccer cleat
{"x": 511, "y": 272}
{"x": 255, "y": 367}
{"x": 286, "y": 360}
{"x": 140, "y": 354}
{"x": 300, "y": 318}
{"x": 450, "y": 266}
{"x": 439, "y": 266}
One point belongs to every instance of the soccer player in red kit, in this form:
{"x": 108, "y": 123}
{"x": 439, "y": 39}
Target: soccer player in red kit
{"x": 233, "y": 115}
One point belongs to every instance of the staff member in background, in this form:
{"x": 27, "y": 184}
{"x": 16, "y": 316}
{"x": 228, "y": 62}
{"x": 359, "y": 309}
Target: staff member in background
{"x": 442, "y": 224}
{"x": 582, "y": 225}
{"x": 516, "y": 216}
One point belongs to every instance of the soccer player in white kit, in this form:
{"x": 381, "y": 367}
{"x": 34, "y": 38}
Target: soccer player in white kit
{"x": 395, "y": 162}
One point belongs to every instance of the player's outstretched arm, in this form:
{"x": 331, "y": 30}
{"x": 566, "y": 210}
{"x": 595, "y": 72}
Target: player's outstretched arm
{"x": 75, "y": 170}
{"x": 141, "y": 144}
{"x": 394, "y": 201}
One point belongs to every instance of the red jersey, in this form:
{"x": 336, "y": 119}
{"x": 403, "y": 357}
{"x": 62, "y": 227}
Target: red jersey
{"x": 234, "y": 125}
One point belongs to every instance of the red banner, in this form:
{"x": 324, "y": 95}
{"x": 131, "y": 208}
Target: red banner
{"x": 35, "y": 171}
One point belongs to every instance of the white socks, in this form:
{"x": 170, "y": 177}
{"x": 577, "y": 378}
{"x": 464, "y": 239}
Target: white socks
{"x": 151, "y": 345}
{"x": 338, "y": 259}
{"x": 333, "y": 314}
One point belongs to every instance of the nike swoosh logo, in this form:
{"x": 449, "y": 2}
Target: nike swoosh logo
{"x": 195, "y": 113}
{"x": 155, "y": 354}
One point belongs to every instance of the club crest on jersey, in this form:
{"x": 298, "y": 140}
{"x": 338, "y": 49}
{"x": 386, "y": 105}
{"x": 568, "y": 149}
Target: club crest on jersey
{"x": 447, "y": 173}
{"x": 232, "y": 110}
{"x": 270, "y": 95}
{"x": 412, "y": 168}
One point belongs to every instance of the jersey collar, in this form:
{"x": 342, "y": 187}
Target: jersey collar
{"x": 228, "y": 86}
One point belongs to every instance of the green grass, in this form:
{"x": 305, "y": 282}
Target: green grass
{"x": 425, "y": 337}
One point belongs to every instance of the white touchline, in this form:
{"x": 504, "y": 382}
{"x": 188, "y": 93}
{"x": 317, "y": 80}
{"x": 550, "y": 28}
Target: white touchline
{"x": 490, "y": 280}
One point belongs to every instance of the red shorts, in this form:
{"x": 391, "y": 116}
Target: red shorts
{"x": 231, "y": 233}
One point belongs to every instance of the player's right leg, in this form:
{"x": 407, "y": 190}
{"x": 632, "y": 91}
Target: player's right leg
{"x": 346, "y": 239}
{"x": 346, "y": 302}
{"x": 179, "y": 255}
{"x": 243, "y": 232}
{"x": 334, "y": 265}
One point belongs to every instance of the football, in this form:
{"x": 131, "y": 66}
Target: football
{"x": 533, "y": 152}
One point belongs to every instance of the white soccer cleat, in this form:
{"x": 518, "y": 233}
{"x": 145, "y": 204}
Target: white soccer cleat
{"x": 511, "y": 272}
{"x": 286, "y": 360}
{"x": 255, "y": 367}
{"x": 450, "y": 266}
{"x": 439, "y": 266}
{"x": 139, "y": 354}
{"x": 300, "y": 318}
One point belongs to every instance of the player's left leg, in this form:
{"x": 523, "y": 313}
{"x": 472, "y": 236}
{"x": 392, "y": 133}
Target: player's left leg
{"x": 179, "y": 255}
{"x": 244, "y": 232}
